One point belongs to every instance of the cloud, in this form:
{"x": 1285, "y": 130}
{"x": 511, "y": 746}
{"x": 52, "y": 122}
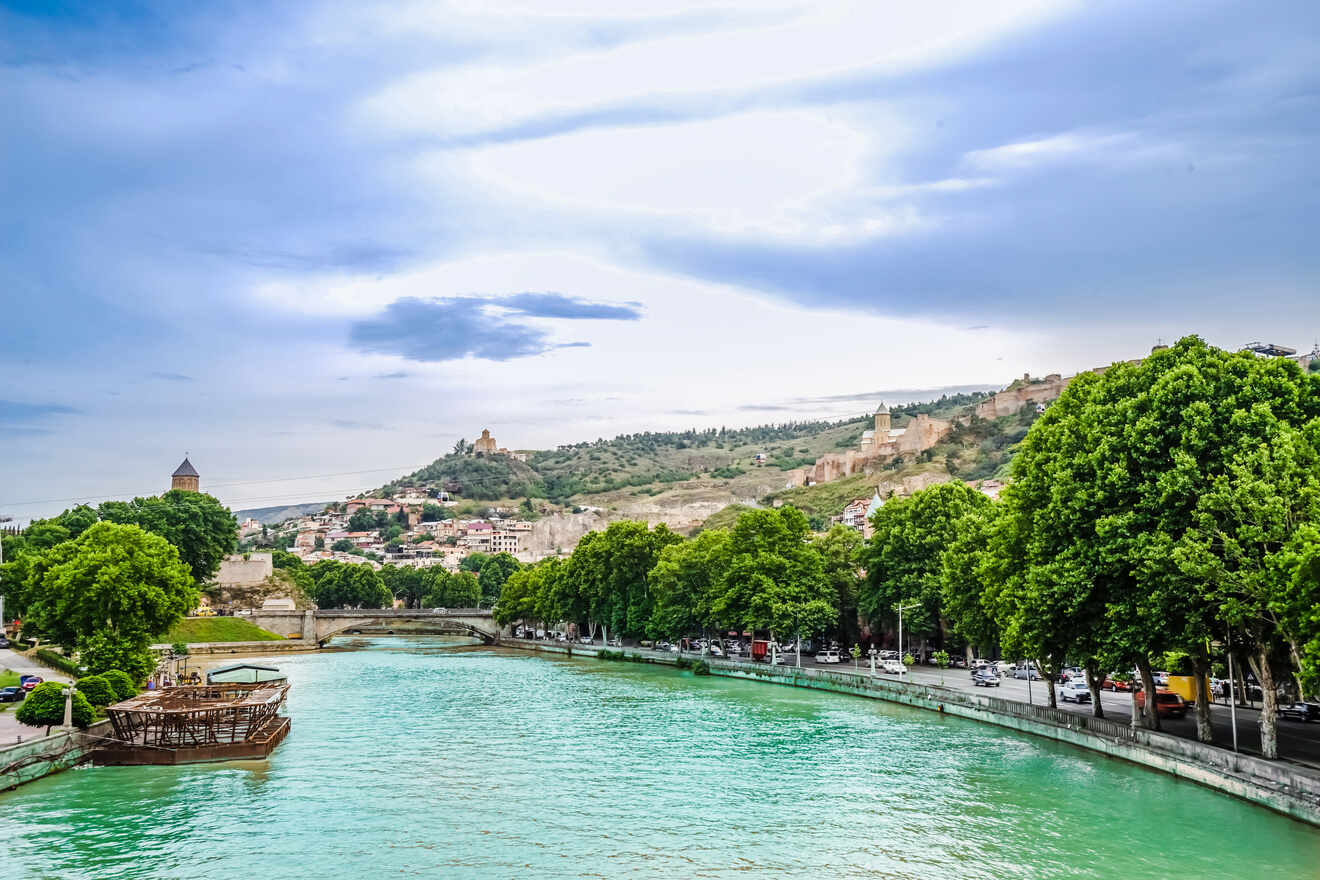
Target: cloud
{"x": 397, "y": 374}
{"x": 170, "y": 377}
{"x": 15, "y": 412}
{"x": 556, "y": 305}
{"x": 455, "y": 328}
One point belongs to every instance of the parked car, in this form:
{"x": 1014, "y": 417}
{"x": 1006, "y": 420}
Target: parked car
{"x": 28, "y": 682}
{"x": 827, "y": 656}
{"x": 12, "y": 694}
{"x": 1167, "y": 703}
{"x": 715, "y": 651}
{"x": 1300, "y": 711}
{"x": 889, "y": 655}
{"x": 1115, "y": 684}
{"x": 1024, "y": 672}
{"x": 4, "y": 642}
{"x": 891, "y": 667}
{"x": 1161, "y": 679}
{"x": 1071, "y": 673}
{"x": 1003, "y": 667}
{"x": 985, "y": 677}
{"x": 1074, "y": 691}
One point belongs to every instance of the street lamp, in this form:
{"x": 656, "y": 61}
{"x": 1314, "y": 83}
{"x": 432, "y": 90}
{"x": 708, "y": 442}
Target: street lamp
{"x": 901, "y": 608}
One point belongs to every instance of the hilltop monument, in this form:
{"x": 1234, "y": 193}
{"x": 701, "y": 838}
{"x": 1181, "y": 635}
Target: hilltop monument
{"x": 185, "y": 477}
{"x": 485, "y": 444}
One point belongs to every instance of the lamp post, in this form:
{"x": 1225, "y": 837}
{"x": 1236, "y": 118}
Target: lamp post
{"x": 68, "y": 707}
{"x": 901, "y": 608}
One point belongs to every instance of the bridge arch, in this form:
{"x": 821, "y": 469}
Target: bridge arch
{"x": 330, "y": 630}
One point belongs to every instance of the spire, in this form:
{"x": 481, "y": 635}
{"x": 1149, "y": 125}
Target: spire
{"x": 185, "y": 470}
{"x": 882, "y": 410}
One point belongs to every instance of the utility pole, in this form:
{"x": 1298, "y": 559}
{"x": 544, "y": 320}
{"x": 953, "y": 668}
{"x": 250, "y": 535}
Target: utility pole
{"x": 1232, "y": 698}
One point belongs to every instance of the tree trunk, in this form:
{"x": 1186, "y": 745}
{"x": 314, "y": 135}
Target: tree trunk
{"x": 1150, "y": 713}
{"x": 1201, "y": 668}
{"x": 970, "y": 655}
{"x": 1269, "y": 712}
{"x": 1047, "y": 678}
{"x": 1093, "y": 679}
{"x": 604, "y": 634}
{"x": 1241, "y": 684}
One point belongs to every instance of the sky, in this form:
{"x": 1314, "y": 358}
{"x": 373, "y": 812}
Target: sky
{"x": 313, "y": 244}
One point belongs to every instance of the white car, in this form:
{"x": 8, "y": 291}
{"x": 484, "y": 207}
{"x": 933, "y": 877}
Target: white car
{"x": 1075, "y": 691}
{"x": 891, "y": 667}
{"x": 830, "y": 656}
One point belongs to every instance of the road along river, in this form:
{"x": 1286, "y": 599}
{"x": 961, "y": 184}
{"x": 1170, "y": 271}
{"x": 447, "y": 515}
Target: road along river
{"x": 423, "y": 758}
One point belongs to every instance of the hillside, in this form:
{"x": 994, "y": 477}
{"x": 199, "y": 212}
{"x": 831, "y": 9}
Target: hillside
{"x": 703, "y": 478}
{"x": 633, "y": 460}
{"x": 272, "y": 515}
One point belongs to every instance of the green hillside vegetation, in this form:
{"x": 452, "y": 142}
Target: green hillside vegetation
{"x": 191, "y": 630}
{"x": 647, "y": 460}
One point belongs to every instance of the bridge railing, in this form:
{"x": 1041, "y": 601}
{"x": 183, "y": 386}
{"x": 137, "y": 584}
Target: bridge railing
{"x": 402, "y": 612}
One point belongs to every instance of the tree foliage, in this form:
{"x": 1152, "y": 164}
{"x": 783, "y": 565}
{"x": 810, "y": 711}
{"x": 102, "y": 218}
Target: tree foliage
{"x": 44, "y": 707}
{"x": 203, "y": 530}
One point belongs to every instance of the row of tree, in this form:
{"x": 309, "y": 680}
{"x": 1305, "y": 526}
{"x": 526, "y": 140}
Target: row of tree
{"x": 1162, "y": 509}
{"x": 108, "y": 581}
{"x": 331, "y": 584}
{"x": 765, "y": 573}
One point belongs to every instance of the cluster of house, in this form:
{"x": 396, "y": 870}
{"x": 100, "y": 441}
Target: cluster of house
{"x": 422, "y": 543}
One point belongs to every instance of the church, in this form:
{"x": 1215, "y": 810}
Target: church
{"x": 185, "y": 477}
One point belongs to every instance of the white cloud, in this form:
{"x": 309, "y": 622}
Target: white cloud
{"x": 1073, "y": 146}
{"x": 811, "y": 41}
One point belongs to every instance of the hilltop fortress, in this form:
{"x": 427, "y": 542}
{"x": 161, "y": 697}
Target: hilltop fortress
{"x": 883, "y": 443}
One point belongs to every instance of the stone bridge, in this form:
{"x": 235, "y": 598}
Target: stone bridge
{"x": 322, "y": 624}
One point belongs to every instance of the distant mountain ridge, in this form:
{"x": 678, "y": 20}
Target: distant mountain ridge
{"x": 272, "y": 515}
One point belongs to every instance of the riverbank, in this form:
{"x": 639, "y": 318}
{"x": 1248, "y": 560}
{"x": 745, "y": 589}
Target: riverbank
{"x": 1284, "y": 789}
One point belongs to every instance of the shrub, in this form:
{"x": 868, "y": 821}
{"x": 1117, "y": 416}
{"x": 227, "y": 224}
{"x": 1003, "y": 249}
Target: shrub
{"x": 60, "y": 662}
{"x": 97, "y": 690}
{"x": 44, "y": 707}
{"x": 180, "y": 649}
{"x": 121, "y": 682}
{"x": 700, "y": 667}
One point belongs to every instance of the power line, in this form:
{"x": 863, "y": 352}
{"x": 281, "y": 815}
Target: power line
{"x": 127, "y": 492}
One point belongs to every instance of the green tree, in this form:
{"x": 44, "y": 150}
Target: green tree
{"x": 464, "y": 591}
{"x": 685, "y": 583}
{"x": 114, "y": 585}
{"x": 350, "y": 586}
{"x": 405, "y": 582}
{"x": 434, "y": 513}
{"x": 44, "y": 707}
{"x": 775, "y": 579}
{"x": 97, "y": 690}
{"x": 197, "y": 524}
{"x": 494, "y": 573}
{"x": 362, "y": 520}
{"x": 840, "y": 552}
{"x": 122, "y": 683}
{"x": 343, "y": 545}
{"x": 903, "y": 559}
{"x": 473, "y": 562}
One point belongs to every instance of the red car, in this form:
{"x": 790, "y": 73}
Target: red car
{"x": 28, "y": 682}
{"x": 1167, "y": 703}
{"x": 1116, "y": 685}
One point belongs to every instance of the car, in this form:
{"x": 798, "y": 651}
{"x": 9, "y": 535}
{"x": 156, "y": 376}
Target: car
{"x": 1167, "y": 703}
{"x": 1024, "y": 672}
{"x": 1300, "y": 711}
{"x": 12, "y": 694}
{"x": 1075, "y": 692}
{"x": 28, "y": 682}
{"x": 1069, "y": 673}
{"x": 1003, "y": 667}
{"x": 1161, "y": 679}
{"x": 827, "y": 656}
{"x": 891, "y": 667}
{"x": 984, "y": 677}
{"x": 4, "y": 642}
{"x": 1115, "y": 684}
{"x": 888, "y": 655}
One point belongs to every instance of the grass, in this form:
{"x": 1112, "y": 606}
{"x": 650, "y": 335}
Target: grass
{"x": 8, "y": 678}
{"x": 217, "y": 629}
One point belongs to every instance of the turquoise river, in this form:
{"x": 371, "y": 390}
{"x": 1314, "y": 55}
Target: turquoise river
{"x": 422, "y": 758}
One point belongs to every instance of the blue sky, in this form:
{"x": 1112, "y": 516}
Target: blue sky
{"x": 339, "y": 236}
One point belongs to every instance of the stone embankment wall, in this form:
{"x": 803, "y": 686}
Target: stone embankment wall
{"x": 43, "y": 755}
{"x": 1268, "y": 783}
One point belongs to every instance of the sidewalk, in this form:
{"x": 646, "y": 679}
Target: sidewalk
{"x": 10, "y": 730}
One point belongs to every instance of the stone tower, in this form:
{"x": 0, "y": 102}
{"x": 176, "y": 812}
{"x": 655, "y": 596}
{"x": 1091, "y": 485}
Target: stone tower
{"x": 485, "y": 444}
{"x": 185, "y": 477}
{"x": 881, "y": 424}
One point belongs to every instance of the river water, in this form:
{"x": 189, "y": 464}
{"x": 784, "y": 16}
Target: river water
{"x": 419, "y": 758}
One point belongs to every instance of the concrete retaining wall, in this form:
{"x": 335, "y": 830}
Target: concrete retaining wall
{"x": 41, "y": 756}
{"x": 1269, "y": 783}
